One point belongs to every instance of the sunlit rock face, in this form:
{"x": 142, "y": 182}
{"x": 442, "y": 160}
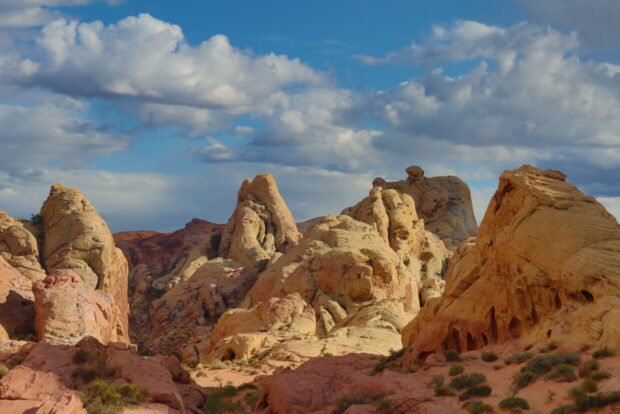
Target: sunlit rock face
{"x": 444, "y": 203}
{"x": 545, "y": 267}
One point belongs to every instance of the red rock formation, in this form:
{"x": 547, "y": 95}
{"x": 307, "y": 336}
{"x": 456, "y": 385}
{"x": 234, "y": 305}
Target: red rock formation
{"x": 317, "y": 385}
{"x": 67, "y": 311}
{"x": 544, "y": 267}
{"x": 47, "y": 378}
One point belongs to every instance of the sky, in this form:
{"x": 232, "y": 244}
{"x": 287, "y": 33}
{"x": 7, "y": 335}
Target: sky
{"x": 158, "y": 110}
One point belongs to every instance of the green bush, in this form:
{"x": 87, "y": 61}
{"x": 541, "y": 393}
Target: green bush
{"x": 456, "y": 369}
{"x": 523, "y": 378}
{"x": 476, "y": 391}
{"x": 479, "y": 408}
{"x": 565, "y": 409}
{"x": 518, "y": 358}
{"x": 347, "y": 401}
{"x": 588, "y": 367}
{"x": 597, "y": 400}
{"x": 251, "y": 399}
{"x": 600, "y": 375}
{"x": 489, "y": 356}
{"x": 602, "y": 353}
{"x": 452, "y": 355}
{"x": 467, "y": 381}
{"x": 216, "y": 402}
{"x": 544, "y": 363}
{"x": 562, "y": 372}
{"x": 588, "y": 385}
{"x": 36, "y": 218}
{"x": 3, "y": 370}
{"x": 104, "y": 398}
{"x": 514, "y": 404}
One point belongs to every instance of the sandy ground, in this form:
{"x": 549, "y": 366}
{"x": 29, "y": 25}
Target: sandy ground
{"x": 543, "y": 395}
{"x": 211, "y": 378}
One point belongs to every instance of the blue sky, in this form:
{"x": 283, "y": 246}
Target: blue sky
{"x": 158, "y": 110}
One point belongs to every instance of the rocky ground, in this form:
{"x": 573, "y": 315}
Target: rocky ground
{"x": 390, "y": 307}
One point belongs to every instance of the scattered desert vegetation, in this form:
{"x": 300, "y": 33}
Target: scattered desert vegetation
{"x": 104, "y": 398}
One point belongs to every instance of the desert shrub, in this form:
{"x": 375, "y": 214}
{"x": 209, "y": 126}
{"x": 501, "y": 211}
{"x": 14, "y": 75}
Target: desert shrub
{"x": 523, "y": 378}
{"x": 597, "y": 400}
{"x": 104, "y": 398}
{"x": 479, "y": 407}
{"x": 514, "y": 404}
{"x": 444, "y": 390}
{"x": 452, "y": 355}
{"x": 456, "y": 369}
{"x": 602, "y": 353}
{"x": 251, "y": 399}
{"x": 600, "y": 375}
{"x": 588, "y": 367}
{"x": 565, "y": 409}
{"x": 3, "y": 370}
{"x": 562, "y": 372}
{"x": 247, "y": 386}
{"x": 347, "y": 401}
{"x": 489, "y": 356}
{"x": 518, "y": 358}
{"x": 588, "y": 385}
{"x": 467, "y": 381}
{"x": 36, "y": 218}
{"x": 476, "y": 391}
{"x": 217, "y": 403}
{"x": 544, "y": 363}
{"x": 543, "y": 350}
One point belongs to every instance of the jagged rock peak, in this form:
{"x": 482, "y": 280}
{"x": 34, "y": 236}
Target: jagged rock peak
{"x": 443, "y": 202}
{"x": 260, "y": 225}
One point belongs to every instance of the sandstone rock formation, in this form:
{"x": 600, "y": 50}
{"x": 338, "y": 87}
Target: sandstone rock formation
{"x": 48, "y": 380}
{"x": 341, "y": 267}
{"x": 443, "y": 202}
{"x": 260, "y": 226}
{"x": 19, "y": 246}
{"x": 16, "y": 302}
{"x": 67, "y": 310}
{"x": 182, "y": 319}
{"x": 77, "y": 238}
{"x": 544, "y": 267}
{"x": 394, "y": 216}
{"x": 160, "y": 260}
{"x": 316, "y": 387}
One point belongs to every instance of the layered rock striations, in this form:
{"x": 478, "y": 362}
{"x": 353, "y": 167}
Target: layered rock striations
{"x": 260, "y": 225}
{"x": 443, "y": 202}
{"x": 19, "y": 246}
{"x": 342, "y": 287}
{"x": 182, "y": 319}
{"x": 77, "y": 238}
{"x": 545, "y": 267}
{"x": 394, "y": 216}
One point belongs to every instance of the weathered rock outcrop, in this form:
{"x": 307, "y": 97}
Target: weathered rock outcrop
{"x": 160, "y": 260}
{"x": 260, "y": 226}
{"x": 183, "y": 318}
{"x": 341, "y": 267}
{"x": 67, "y": 310}
{"x": 544, "y": 267}
{"x": 443, "y": 202}
{"x": 316, "y": 387}
{"x": 19, "y": 246}
{"x": 394, "y": 216}
{"x": 77, "y": 238}
{"x": 16, "y": 303}
{"x": 48, "y": 380}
